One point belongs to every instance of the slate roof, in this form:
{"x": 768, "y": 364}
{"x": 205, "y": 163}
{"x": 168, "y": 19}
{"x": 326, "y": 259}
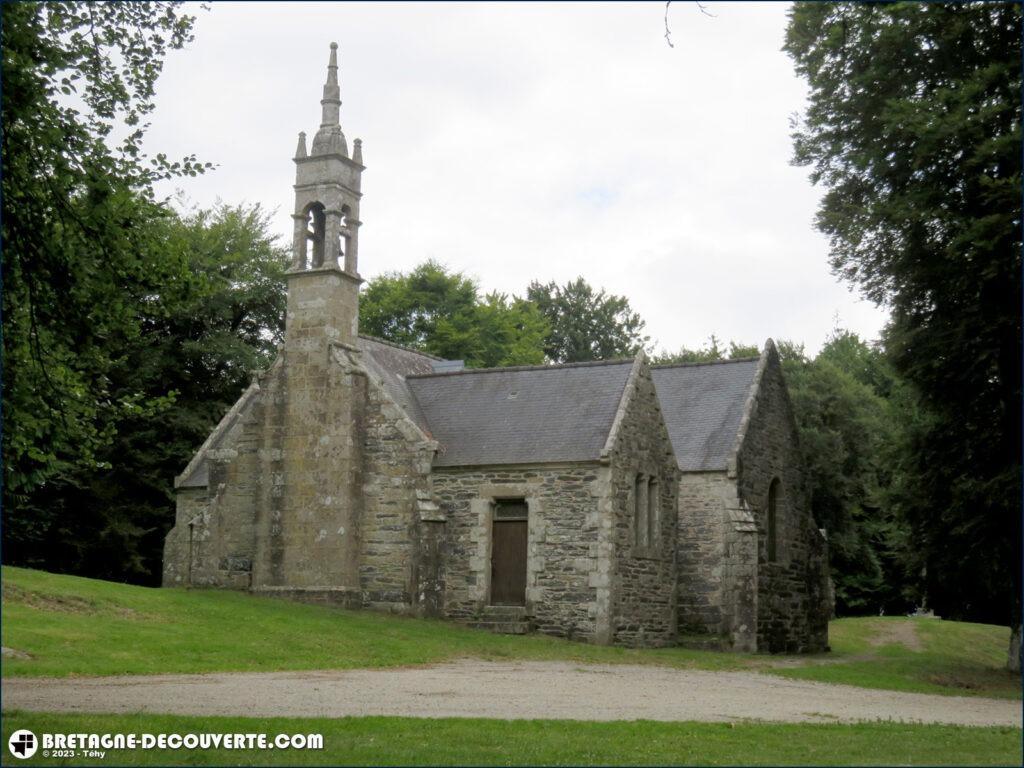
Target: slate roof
{"x": 391, "y": 364}
{"x": 521, "y": 415}
{"x": 538, "y": 414}
{"x": 703, "y": 404}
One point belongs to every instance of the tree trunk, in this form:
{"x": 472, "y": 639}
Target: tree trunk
{"x": 1013, "y": 657}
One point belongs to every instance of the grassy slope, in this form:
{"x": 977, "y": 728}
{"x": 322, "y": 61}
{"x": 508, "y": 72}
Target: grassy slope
{"x": 409, "y": 741}
{"x": 74, "y": 626}
{"x": 956, "y": 657}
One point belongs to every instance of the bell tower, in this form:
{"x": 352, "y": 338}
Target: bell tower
{"x": 308, "y": 458}
{"x": 323, "y": 281}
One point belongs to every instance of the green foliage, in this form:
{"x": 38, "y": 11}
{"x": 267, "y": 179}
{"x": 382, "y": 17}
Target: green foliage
{"x": 442, "y": 312}
{"x": 852, "y": 412}
{"x": 913, "y": 128}
{"x": 475, "y": 741}
{"x": 196, "y": 344}
{"x": 586, "y": 324}
{"x": 127, "y": 330}
{"x": 78, "y": 219}
{"x": 709, "y": 353}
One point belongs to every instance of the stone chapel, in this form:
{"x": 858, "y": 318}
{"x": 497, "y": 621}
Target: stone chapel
{"x": 610, "y": 502}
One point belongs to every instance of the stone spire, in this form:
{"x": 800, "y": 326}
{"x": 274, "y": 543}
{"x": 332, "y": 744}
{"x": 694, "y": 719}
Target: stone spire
{"x": 327, "y": 193}
{"x": 329, "y": 140}
{"x": 331, "y": 101}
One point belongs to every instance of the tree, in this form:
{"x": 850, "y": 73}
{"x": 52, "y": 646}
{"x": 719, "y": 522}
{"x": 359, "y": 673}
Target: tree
{"x": 913, "y": 128}
{"x": 79, "y": 217}
{"x": 197, "y": 346}
{"x": 441, "y": 312}
{"x": 586, "y": 324}
{"x": 851, "y": 413}
{"x": 709, "y": 353}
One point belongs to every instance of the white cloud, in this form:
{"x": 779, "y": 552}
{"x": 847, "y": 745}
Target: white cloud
{"x": 536, "y": 141}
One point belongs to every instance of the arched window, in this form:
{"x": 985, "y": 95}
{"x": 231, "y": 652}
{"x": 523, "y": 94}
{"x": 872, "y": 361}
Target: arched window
{"x": 653, "y": 513}
{"x": 316, "y": 231}
{"x": 771, "y": 521}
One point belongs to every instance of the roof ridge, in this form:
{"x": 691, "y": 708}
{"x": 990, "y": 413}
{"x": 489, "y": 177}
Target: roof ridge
{"x": 694, "y": 364}
{"x": 387, "y": 343}
{"x": 514, "y": 368}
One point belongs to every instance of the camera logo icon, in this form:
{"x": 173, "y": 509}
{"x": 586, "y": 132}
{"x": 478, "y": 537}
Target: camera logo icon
{"x": 23, "y": 744}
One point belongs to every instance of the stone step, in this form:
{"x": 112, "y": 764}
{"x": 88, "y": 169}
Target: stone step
{"x": 504, "y": 612}
{"x": 503, "y": 627}
{"x": 702, "y": 642}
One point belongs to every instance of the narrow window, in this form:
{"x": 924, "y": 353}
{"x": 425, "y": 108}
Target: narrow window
{"x": 640, "y": 511}
{"x": 316, "y": 231}
{"x": 653, "y": 513}
{"x": 344, "y": 239}
{"x": 773, "y": 500}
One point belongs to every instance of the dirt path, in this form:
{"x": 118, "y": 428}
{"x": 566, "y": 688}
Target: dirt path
{"x": 514, "y": 690}
{"x": 897, "y": 633}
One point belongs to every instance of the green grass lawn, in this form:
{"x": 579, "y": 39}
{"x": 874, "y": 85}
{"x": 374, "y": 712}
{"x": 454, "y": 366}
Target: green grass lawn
{"x": 955, "y": 657}
{"x": 74, "y": 626}
{"x": 411, "y": 741}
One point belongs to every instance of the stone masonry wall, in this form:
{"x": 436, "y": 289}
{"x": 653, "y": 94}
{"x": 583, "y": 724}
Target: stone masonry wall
{"x": 244, "y": 520}
{"x": 717, "y": 562}
{"x": 701, "y": 552}
{"x": 793, "y": 589}
{"x": 643, "y": 573}
{"x": 283, "y": 498}
{"x": 310, "y": 471}
{"x": 562, "y": 547}
{"x": 184, "y": 548}
{"x": 400, "y": 531}
{"x": 223, "y": 514}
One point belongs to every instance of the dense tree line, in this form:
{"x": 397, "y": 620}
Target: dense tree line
{"x": 913, "y": 127}
{"x": 85, "y": 261}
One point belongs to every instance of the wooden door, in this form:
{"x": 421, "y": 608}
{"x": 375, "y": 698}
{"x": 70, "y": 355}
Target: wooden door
{"x": 508, "y": 555}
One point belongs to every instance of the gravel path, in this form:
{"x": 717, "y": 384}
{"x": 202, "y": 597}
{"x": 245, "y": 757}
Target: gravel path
{"x": 514, "y": 690}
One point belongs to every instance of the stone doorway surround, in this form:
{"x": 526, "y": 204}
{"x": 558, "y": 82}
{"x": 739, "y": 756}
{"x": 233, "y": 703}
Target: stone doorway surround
{"x": 483, "y": 508}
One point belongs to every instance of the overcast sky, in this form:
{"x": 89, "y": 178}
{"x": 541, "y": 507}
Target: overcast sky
{"x": 535, "y": 141}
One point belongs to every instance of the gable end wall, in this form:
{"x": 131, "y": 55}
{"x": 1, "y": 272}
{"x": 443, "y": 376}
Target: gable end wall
{"x": 792, "y": 591}
{"x": 643, "y": 576}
